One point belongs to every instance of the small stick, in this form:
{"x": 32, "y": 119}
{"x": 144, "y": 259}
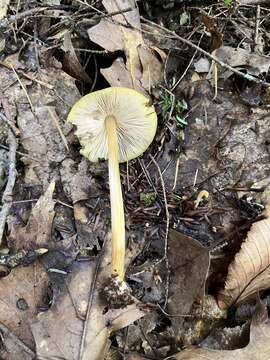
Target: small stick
{"x": 24, "y": 88}
{"x": 56, "y": 123}
{"x": 165, "y": 256}
{"x": 6, "y": 198}
{"x": 176, "y": 173}
{"x": 15, "y": 130}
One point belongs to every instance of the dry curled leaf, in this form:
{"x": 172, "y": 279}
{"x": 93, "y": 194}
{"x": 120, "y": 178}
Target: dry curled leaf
{"x": 250, "y": 270}
{"x": 241, "y": 58}
{"x": 22, "y": 293}
{"x": 79, "y": 323}
{"x": 37, "y": 232}
{"x": 71, "y": 63}
{"x": 257, "y": 349}
{"x": 141, "y": 63}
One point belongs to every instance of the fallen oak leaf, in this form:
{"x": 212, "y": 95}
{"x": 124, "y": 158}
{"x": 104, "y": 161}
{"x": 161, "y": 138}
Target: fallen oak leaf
{"x": 241, "y": 58}
{"x": 14, "y": 349}
{"x": 71, "y": 63}
{"x": 128, "y": 38}
{"x": 249, "y": 273}
{"x": 37, "y": 233}
{"x": 22, "y": 293}
{"x": 189, "y": 268}
{"x": 125, "y": 39}
{"x": 78, "y": 323}
{"x": 257, "y": 349}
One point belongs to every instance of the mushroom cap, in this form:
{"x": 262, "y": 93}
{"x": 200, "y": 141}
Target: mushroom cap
{"x": 136, "y": 122}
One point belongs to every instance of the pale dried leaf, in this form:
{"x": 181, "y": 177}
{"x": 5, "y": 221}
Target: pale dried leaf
{"x": 189, "y": 268}
{"x": 257, "y": 349}
{"x": 37, "y": 233}
{"x": 256, "y": 64}
{"x": 3, "y": 8}
{"x": 117, "y": 74}
{"x": 26, "y": 285}
{"x": 78, "y": 323}
{"x": 112, "y": 37}
{"x": 39, "y": 137}
{"x": 250, "y": 270}
{"x": 14, "y": 349}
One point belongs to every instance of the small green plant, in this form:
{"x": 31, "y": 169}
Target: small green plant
{"x": 168, "y": 104}
{"x": 228, "y": 2}
{"x": 147, "y": 199}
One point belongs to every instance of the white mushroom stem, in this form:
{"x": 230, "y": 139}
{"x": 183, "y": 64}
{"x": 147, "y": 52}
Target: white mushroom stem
{"x": 117, "y": 208}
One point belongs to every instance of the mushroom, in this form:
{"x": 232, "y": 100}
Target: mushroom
{"x": 117, "y": 124}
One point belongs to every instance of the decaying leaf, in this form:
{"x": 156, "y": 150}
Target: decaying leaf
{"x": 187, "y": 267}
{"x": 22, "y": 293}
{"x": 14, "y": 348}
{"x": 216, "y": 34}
{"x": 79, "y": 323}
{"x": 241, "y": 58}
{"x": 40, "y": 139}
{"x": 77, "y": 181}
{"x": 141, "y": 61}
{"x": 37, "y": 233}
{"x": 71, "y": 63}
{"x": 3, "y": 8}
{"x": 250, "y": 270}
{"x": 257, "y": 349}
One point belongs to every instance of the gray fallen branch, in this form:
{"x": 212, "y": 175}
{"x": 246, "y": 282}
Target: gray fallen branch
{"x": 7, "y": 195}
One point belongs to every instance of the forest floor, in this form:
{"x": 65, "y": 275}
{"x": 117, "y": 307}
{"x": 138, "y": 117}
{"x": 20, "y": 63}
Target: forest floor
{"x": 196, "y": 202}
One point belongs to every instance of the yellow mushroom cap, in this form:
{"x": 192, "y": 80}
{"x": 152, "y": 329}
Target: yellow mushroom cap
{"x": 136, "y": 122}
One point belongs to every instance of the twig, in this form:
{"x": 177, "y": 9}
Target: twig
{"x": 21, "y": 153}
{"x": 24, "y": 88}
{"x": 189, "y": 65}
{"x": 56, "y": 123}
{"x": 214, "y": 58}
{"x": 6, "y": 198}
{"x": 15, "y": 130}
{"x": 165, "y": 256}
{"x": 176, "y": 173}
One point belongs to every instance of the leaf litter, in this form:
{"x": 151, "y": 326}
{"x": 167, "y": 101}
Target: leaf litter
{"x": 216, "y": 145}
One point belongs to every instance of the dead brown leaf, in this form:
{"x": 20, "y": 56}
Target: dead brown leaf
{"x": 189, "y": 263}
{"x": 257, "y": 349}
{"x": 14, "y": 348}
{"x": 241, "y": 58}
{"x": 79, "y": 323}
{"x": 37, "y": 233}
{"x": 77, "y": 181}
{"x": 71, "y": 63}
{"x": 40, "y": 138}
{"x": 250, "y": 270}
{"x": 216, "y": 35}
{"x": 22, "y": 293}
{"x": 141, "y": 60}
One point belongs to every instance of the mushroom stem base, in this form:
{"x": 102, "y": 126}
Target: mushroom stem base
{"x": 116, "y": 198}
